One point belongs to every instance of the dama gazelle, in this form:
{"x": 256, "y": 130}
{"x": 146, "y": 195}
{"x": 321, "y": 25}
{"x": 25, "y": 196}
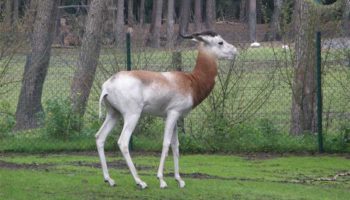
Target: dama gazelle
{"x": 166, "y": 94}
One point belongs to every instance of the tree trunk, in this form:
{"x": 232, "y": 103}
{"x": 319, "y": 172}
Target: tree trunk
{"x": 15, "y": 11}
{"x": 346, "y": 18}
{"x": 8, "y": 13}
{"x": 88, "y": 58}
{"x": 157, "y": 23}
{"x": 275, "y": 29}
{"x": 170, "y": 24}
{"x": 198, "y": 15}
{"x": 252, "y": 20}
{"x": 120, "y": 24}
{"x": 130, "y": 13}
{"x": 243, "y": 11}
{"x": 142, "y": 12}
{"x": 30, "y": 16}
{"x": 303, "y": 113}
{"x": 185, "y": 9}
{"x": 153, "y": 17}
{"x": 210, "y": 15}
{"x": 29, "y": 104}
{"x": 259, "y": 12}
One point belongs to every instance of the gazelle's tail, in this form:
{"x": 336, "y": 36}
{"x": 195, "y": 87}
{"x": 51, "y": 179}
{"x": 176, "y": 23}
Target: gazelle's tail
{"x": 101, "y": 102}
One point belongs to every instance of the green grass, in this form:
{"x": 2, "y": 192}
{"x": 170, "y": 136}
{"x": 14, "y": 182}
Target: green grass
{"x": 63, "y": 176}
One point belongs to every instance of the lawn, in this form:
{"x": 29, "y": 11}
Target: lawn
{"x": 254, "y": 176}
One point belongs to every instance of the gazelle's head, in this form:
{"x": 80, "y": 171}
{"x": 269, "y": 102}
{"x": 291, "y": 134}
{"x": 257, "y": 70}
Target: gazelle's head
{"x": 214, "y": 44}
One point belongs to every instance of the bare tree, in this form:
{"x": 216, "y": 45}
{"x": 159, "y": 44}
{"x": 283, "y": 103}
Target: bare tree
{"x": 185, "y": 8}
{"x": 170, "y": 24}
{"x": 252, "y": 20}
{"x": 156, "y": 23}
{"x": 88, "y": 57}
{"x": 142, "y": 12}
{"x": 198, "y": 15}
{"x": 275, "y": 29}
{"x": 130, "y": 13}
{"x": 346, "y": 17}
{"x": 303, "y": 113}
{"x": 259, "y": 12}
{"x": 8, "y": 13}
{"x": 210, "y": 14}
{"x": 110, "y": 25}
{"x": 29, "y": 104}
{"x": 11, "y": 42}
{"x": 153, "y": 17}
{"x": 243, "y": 10}
{"x": 15, "y": 11}
{"x": 120, "y": 23}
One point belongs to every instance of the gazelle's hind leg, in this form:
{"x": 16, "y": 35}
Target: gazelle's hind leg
{"x": 101, "y": 135}
{"x": 130, "y": 121}
{"x": 168, "y": 133}
{"x": 176, "y": 155}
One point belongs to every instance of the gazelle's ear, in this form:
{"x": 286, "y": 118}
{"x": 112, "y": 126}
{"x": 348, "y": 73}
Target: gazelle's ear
{"x": 194, "y": 39}
{"x": 199, "y": 38}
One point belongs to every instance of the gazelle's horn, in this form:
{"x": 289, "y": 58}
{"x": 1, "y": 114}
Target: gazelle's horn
{"x": 186, "y": 36}
{"x": 205, "y": 33}
{"x": 195, "y": 37}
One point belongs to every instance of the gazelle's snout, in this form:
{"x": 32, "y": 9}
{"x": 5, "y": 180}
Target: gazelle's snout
{"x": 234, "y": 51}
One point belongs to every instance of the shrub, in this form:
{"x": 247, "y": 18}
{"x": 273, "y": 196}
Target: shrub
{"x": 60, "y": 120}
{"x": 150, "y": 126}
{"x": 338, "y": 142}
{"x": 7, "y": 119}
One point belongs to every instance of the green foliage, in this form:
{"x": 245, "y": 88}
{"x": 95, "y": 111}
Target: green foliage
{"x": 250, "y": 136}
{"x": 150, "y": 126}
{"x": 338, "y": 142}
{"x": 7, "y": 119}
{"x": 286, "y": 15}
{"x": 60, "y": 120}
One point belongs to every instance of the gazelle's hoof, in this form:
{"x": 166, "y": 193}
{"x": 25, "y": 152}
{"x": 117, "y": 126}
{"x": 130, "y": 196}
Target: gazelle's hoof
{"x": 181, "y": 183}
{"x": 163, "y": 184}
{"x": 142, "y": 185}
{"x": 110, "y": 181}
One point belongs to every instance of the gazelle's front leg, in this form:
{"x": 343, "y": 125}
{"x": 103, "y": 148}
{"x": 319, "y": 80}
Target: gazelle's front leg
{"x": 176, "y": 155}
{"x": 168, "y": 132}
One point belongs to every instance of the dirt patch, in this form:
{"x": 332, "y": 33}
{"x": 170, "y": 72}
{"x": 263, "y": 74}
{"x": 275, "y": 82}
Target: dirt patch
{"x": 266, "y": 156}
{"x": 84, "y": 153}
{"x": 298, "y": 180}
{"x": 10, "y": 165}
{"x": 261, "y": 156}
{"x": 119, "y": 164}
{"x": 198, "y": 175}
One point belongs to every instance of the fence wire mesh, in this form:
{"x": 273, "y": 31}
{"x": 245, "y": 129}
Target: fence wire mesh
{"x": 249, "y": 108}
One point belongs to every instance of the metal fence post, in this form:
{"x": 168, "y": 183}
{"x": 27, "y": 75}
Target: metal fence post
{"x": 128, "y": 68}
{"x": 319, "y": 91}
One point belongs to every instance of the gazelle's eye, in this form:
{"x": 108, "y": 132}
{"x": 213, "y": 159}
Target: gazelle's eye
{"x": 221, "y": 43}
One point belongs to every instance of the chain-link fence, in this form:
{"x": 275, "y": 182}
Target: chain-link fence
{"x": 250, "y": 108}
